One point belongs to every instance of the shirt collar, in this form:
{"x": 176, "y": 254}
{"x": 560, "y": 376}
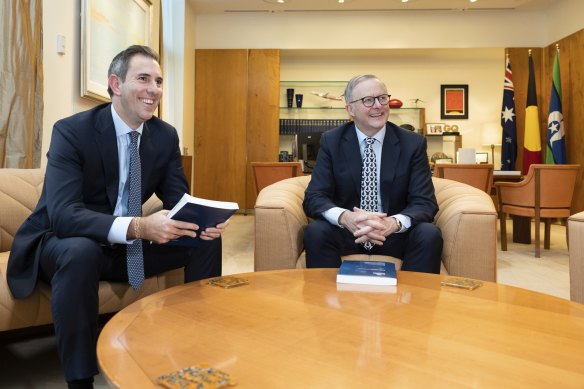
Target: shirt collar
{"x": 379, "y": 135}
{"x": 121, "y": 127}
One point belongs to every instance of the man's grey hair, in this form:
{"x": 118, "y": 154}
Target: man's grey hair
{"x": 354, "y": 82}
{"x": 121, "y": 61}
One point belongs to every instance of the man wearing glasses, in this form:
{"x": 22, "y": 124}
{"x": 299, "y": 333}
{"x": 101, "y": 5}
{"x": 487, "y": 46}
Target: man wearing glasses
{"x": 371, "y": 190}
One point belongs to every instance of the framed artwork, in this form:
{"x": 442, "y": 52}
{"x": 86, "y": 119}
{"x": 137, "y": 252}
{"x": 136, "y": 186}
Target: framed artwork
{"x": 482, "y": 157}
{"x": 108, "y": 27}
{"x": 435, "y": 128}
{"x": 453, "y": 101}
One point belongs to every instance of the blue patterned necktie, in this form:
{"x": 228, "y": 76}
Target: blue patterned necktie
{"x": 369, "y": 182}
{"x": 134, "y": 254}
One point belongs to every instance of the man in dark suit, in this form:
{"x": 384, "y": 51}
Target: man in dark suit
{"x": 82, "y": 225}
{"x": 371, "y": 190}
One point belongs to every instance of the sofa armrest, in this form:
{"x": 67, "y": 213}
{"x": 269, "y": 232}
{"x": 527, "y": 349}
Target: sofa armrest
{"x": 576, "y": 249}
{"x": 468, "y": 221}
{"x": 280, "y": 222}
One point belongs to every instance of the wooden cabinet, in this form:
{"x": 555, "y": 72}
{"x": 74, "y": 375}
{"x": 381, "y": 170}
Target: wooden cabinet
{"x": 236, "y": 120}
{"x": 187, "y": 162}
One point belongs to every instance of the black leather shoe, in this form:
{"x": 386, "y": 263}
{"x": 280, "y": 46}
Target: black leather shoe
{"x": 85, "y": 383}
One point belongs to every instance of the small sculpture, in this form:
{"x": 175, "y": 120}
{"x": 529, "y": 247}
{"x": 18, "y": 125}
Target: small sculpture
{"x": 416, "y": 101}
{"x": 328, "y": 96}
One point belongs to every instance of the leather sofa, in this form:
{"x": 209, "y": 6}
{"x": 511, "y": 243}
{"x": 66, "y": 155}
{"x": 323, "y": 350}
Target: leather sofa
{"x": 19, "y": 193}
{"x": 466, "y": 217}
{"x": 576, "y": 250}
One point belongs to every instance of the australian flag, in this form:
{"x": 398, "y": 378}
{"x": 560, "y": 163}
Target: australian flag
{"x": 509, "y": 141}
{"x": 556, "y": 143}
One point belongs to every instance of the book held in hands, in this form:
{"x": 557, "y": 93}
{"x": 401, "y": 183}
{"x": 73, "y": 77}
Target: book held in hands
{"x": 205, "y": 213}
{"x": 367, "y": 273}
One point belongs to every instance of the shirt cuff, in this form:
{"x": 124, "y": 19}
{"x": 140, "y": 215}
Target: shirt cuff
{"x": 406, "y": 222}
{"x": 119, "y": 230}
{"x": 332, "y": 215}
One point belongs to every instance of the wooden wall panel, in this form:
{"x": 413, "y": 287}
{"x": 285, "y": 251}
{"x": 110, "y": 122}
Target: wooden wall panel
{"x": 263, "y": 112}
{"x": 572, "y": 74}
{"x": 237, "y": 93}
{"x": 220, "y": 125}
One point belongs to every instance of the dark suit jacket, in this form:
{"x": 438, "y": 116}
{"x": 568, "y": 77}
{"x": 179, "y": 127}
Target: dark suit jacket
{"x": 405, "y": 178}
{"x": 81, "y": 186}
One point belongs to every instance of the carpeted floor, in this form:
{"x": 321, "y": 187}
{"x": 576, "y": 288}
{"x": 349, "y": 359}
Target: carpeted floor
{"x": 33, "y": 363}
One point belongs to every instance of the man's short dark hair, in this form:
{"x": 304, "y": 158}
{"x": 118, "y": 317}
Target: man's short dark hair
{"x": 121, "y": 61}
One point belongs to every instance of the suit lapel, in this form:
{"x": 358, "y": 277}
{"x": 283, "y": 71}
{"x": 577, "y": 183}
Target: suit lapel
{"x": 352, "y": 153}
{"x": 108, "y": 148}
{"x": 147, "y": 148}
{"x": 389, "y": 156}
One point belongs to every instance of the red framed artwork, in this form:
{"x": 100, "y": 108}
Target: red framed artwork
{"x": 454, "y": 101}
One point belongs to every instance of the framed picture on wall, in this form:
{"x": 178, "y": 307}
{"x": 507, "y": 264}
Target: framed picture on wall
{"x": 482, "y": 157}
{"x": 108, "y": 27}
{"x": 453, "y": 101}
{"x": 435, "y": 128}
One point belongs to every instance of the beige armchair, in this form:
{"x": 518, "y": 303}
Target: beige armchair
{"x": 466, "y": 217}
{"x": 576, "y": 249}
{"x": 478, "y": 175}
{"x": 20, "y": 190}
{"x": 545, "y": 193}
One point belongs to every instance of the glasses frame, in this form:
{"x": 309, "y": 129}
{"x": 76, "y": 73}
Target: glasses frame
{"x": 362, "y": 100}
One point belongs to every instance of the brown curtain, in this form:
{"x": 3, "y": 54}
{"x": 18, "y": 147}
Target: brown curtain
{"x": 21, "y": 83}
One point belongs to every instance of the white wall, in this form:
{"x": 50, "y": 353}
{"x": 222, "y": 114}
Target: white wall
{"x": 61, "y": 72}
{"x": 565, "y": 18}
{"x": 370, "y": 30}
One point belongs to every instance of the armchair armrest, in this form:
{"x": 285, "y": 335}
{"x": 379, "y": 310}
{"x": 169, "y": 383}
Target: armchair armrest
{"x": 576, "y": 249}
{"x": 468, "y": 221}
{"x": 280, "y": 222}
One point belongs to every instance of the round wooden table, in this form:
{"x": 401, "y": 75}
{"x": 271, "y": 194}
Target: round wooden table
{"x": 296, "y": 329}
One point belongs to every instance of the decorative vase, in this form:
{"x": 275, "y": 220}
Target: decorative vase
{"x": 299, "y": 100}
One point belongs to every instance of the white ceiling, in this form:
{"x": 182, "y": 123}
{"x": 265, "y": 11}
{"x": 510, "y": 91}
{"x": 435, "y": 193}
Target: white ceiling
{"x": 221, "y": 6}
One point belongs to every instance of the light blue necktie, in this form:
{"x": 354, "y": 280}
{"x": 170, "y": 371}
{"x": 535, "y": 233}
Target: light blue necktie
{"x": 369, "y": 183}
{"x": 134, "y": 254}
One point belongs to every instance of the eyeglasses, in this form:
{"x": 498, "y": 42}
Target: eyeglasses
{"x": 369, "y": 101}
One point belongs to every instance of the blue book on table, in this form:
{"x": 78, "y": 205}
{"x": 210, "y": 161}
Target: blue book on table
{"x": 367, "y": 272}
{"x": 205, "y": 213}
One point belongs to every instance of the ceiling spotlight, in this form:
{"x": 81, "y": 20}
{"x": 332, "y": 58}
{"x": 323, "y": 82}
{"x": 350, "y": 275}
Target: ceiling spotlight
{"x": 404, "y": 1}
{"x": 340, "y": 1}
{"x": 281, "y": 1}
{"x": 473, "y": 1}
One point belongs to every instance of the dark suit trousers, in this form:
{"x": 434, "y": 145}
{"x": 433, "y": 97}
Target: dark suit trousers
{"x": 420, "y": 247}
{"x": 74, "y": 266}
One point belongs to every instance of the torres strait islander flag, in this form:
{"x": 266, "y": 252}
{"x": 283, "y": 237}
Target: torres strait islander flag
{"x": 509, "y": 141}
{"x": 531, "y": 141}
{"x": 556, "y": 145}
